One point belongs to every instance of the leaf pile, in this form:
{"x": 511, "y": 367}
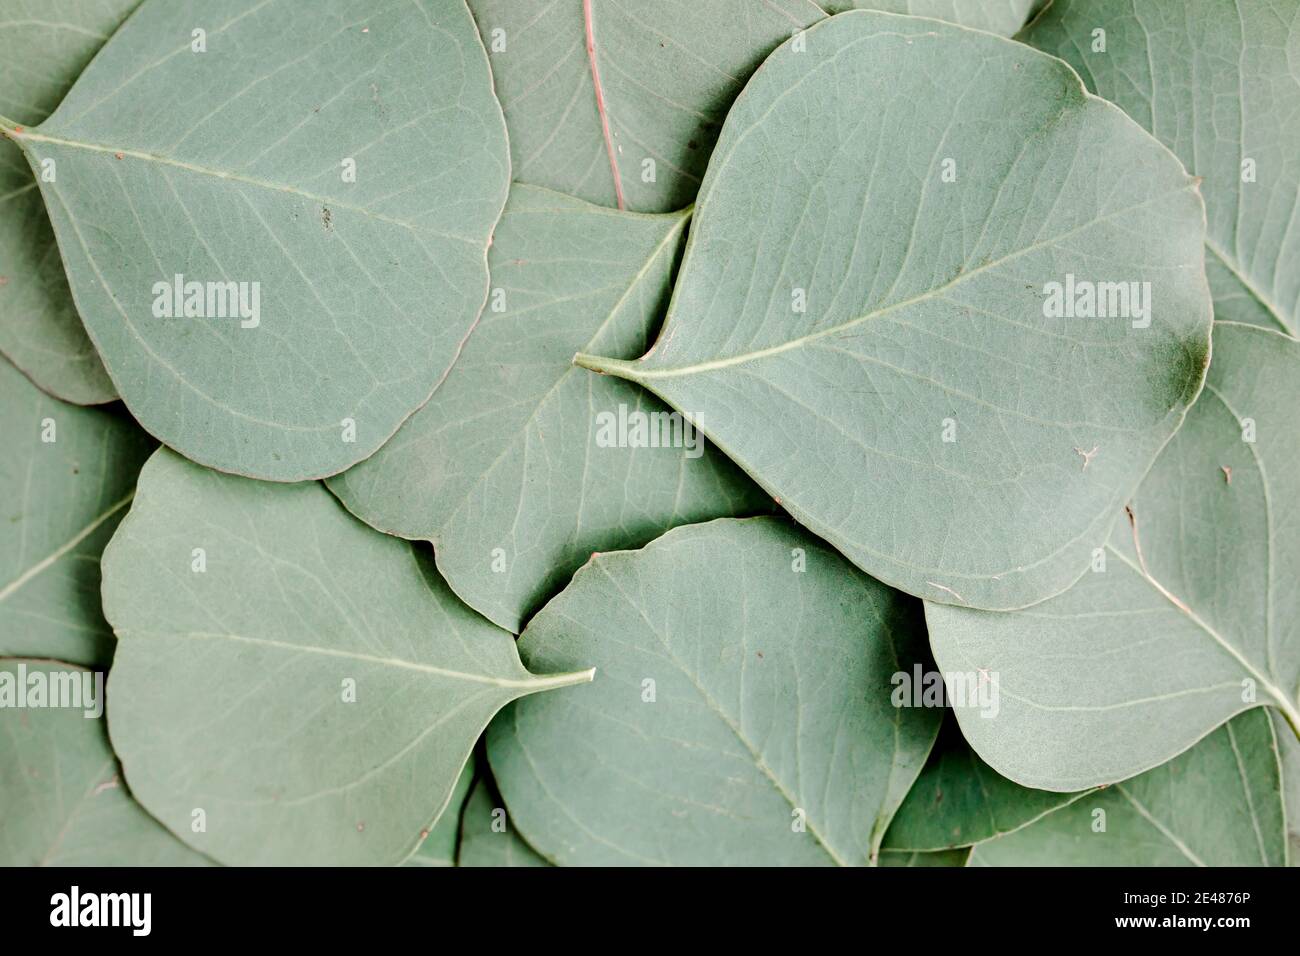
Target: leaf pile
{"x": 756, "y": 432}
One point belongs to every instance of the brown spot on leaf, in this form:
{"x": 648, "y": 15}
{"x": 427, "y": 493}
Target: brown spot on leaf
{"x": 1227, "y": 473}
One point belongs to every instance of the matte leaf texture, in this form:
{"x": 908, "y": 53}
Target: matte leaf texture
{"x": 916, "y": 858}
{"x": 518, "y": 471}
{"x": 1196, "y": 616}
{"x": 60, "y": 786}
{"x": 314, "y": 690}
{"x": 1217, "y": 83}
{"x": 619, "y": 102}
{"x": 959, "y": 800}
{"x": 44, "y": 45}
{"x": 1218, "y": 804}
{"x": 740, "y": 714}
{"x": 67, "y": 475}
{"x": 439, "y": 847}
{"x": 873, "y": 343}
{"x": 483, "y": 842}
{"x": 278, "y": 243}
{"x": 1289, "y": 750}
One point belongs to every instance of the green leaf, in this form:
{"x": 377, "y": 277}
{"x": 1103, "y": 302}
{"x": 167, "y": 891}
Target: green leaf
{"x": 1220, "y": 89}
{"x": 44, "y": 45}
{"x": 1288, "y": 747}
{"x": 60, "y": 786}
{"x": 956, "y": 857}
{"x": 66, "y": 478}
{"x": 315, "y": 689}
{"x": 593, "y": 90}
{"x": 923, "y": 415}
{"x": 741, "y": 713}
{"x": 1194, "y": 618}
{"x": 510, "y": 472}
{"x": 480, "y": 844}
{"x": 1218, "y": 804}
{"x": 439, "y": 847}
{"x": 996, "y": 16}
{"x": 231, "y": 165}
{"x": 959, "y": 800}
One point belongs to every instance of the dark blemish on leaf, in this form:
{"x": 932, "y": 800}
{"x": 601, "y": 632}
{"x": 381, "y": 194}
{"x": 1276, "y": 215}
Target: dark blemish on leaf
{"x": 759, "y": 655}
{"x": 117, "y": 155}
{"x": 691, "y": 144}
{"x": 424, "y": 834}
{"x": 1227, "y": 473}
{"x": 327, "y": 218}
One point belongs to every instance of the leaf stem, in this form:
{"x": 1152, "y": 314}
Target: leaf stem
{"x": 554, "y": 681}
{"x": 9, "y": 127}
{"x": 606, "y": 366}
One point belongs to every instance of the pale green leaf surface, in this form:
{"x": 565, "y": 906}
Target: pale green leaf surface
{"x": 62, "y": 800}
{"x": 1130, "y": 667}
{"x": 959, "y": 800}
{"x": 920, "y": 858}
{"x": 1219, "y": 84}
{"x": 44, "y": 45}
{"x": 925, "y": 305}
{"x": 667, "y": 70}
{"x": 771, "y": 707}
{"x": 228, "y": 691}
{"x": 480, "y": 844}
{"x": 507, "y": 472}
{"x": 439, "y": 847}
{"x": 996, "y": 16}
{"x": 59, "y": 503}
{"x": 1218, "y": 804}
{"x": 227, "y": 166}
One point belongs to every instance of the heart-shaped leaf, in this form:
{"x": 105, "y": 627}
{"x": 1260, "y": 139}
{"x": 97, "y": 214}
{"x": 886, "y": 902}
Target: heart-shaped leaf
{"x": 305, "y": 688}
{"x": 959, "y": 800}
{"x": 1218, "y": 804}
{"x": 1216, "y": 83}
{"x": 519, "y": 471}
{"x": 64, "y": 803}
{"x": 867, "y": 315}
{"x": 66, "y": 479}
{"x": 486, "y": 836}
{"x": 741, "y": 713}
{"x": 44, "y": 45}
{"x": 275, "y": 224}
{"x": 1191, "y": 614}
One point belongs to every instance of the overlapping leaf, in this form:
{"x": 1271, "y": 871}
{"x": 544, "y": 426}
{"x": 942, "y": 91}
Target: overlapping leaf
{"x": 740, "y": 713}
{"x": 1195, "y": 616}
{"x": 44, "y": 45}
{"x": 486, "y": 836}
{"x": 872, "y": 343}
{"x": 64, "y": 802}
{"x": 1218, "y": 804}
{"x": 439, "y": 847}
{"x": 307, "y": 687}
{"x": 67, "y": 475}
{"x": 324, "y": 186}
{"x": 1217, "y": 83}
{"x": 515, "y": 473}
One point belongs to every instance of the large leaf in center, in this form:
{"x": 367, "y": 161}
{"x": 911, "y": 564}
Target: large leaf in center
{"x": 306, "y": 688}
{"x": 323, "y": 182}
{"x": 741, "y": 714}
{"x": 872, "y": 341}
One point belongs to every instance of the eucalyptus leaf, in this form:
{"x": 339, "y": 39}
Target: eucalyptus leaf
{"x": 439, "y": 847}
{"x": 1289, "y": 751}
{"x": 324, "y": 187}
{"x": 44, "y": 45}
{"x": 516, "y": 473}
{"x": 918, "y": 858}
{"x": 1218, "y": 804}
{"x": 61, "y": 790}
{"x": 741, "y": 711}
{"x": 996, "y": 16}
{"x": 306, "y": 688}
{"x": 1191, "y": 614}
{"x": 618, "y": 102}
{"x": 873, "y": 344}
{"x": 959, "y": 800}
{"x": 66, "y": 479}
{"x": 1216, "y": 83}
{"x": 483, "y": 842}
